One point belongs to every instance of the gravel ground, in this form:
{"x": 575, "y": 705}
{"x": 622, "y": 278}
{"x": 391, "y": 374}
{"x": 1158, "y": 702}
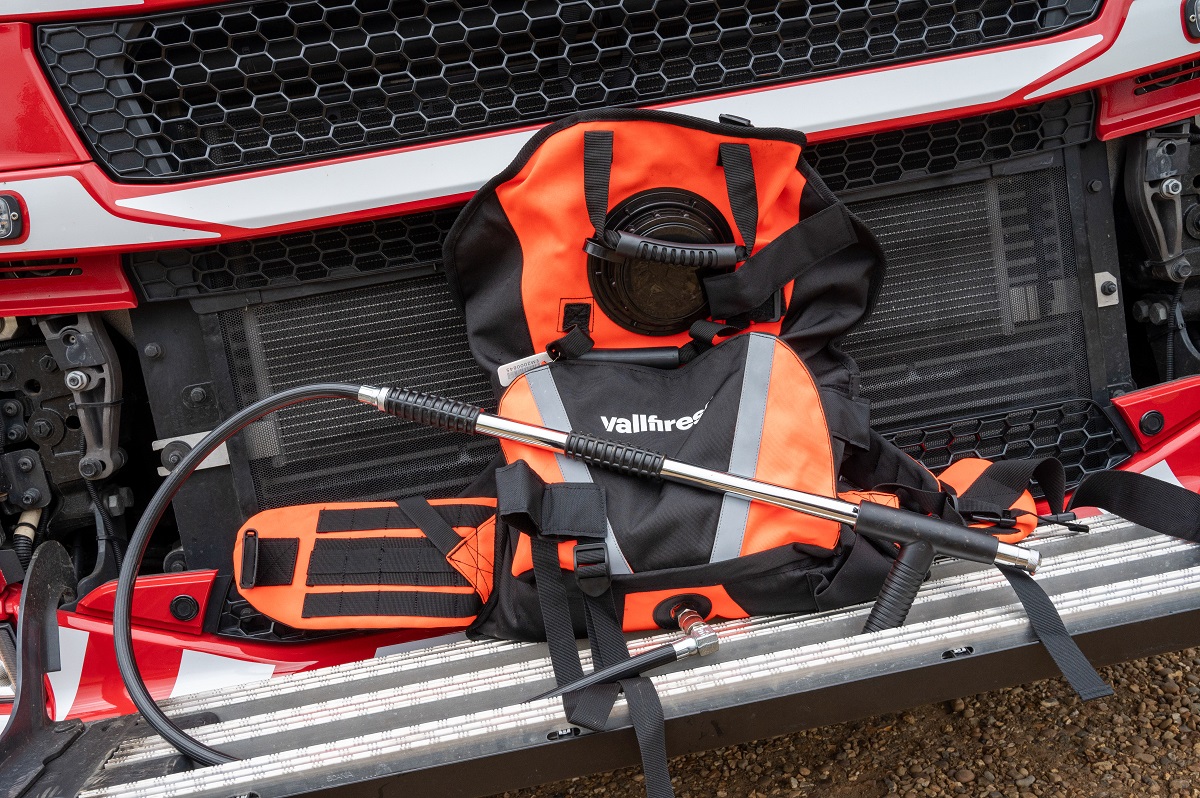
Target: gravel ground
{"x": 1037, "y": 740}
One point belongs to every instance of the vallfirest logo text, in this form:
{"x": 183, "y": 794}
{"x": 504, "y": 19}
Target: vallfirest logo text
{"x": 640, "y": 422}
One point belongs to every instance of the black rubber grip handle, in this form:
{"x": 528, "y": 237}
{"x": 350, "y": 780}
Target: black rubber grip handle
{"x": 623, "y": 246}
{"x": 903, "y": 526}
{"x": 432, "y": 410}
{"x": 614, "y": 456}
{"x": 900, "y": 588}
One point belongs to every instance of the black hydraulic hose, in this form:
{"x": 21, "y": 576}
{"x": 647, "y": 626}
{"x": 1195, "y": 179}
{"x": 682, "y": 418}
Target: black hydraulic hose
{"x": 1173, "y": 327}
{"x": 123, "y": 605}
{"x": 106, "y": 524}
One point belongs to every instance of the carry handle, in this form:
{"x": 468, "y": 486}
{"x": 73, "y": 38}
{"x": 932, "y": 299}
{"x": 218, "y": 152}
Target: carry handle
{"x": 619, "y": 246}
{"x": 901, "y": 586}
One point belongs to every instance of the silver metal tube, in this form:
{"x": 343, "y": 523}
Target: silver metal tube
{"x": 530, "y": 434}
{"x": 1025, "y": 559}
{"x": 811, "y": 504}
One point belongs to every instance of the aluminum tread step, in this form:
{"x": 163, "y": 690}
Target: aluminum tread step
{"x": 428, "y": 708}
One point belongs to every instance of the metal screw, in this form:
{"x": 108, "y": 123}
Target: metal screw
{"x": 25, "y": 465}
{"x": 1108, "y": 288}
{"x": 1095, "y": 186}
{"x": 48, "y": 364}
{"x": 42, "y": 428}
{"x": 5, "y": 371}
{"x": 11, "y": 408}
{"x": 76, "y": 380}
{"x": 198, "y": 395}
{"x": 89, "y": 467}
{"x": 16, "y": 433}
{"x": 153, "y": 351}
{"x": 14, "y": 216}
{"x": 173, "y": 458}
{"x": 31, "y": 497}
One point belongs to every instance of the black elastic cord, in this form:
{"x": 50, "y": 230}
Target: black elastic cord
{"x": 123, "y": 604}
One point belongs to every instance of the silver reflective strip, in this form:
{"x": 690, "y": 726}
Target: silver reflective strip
{"x": 747, "y": 438}
{"x": 554, "y": 415}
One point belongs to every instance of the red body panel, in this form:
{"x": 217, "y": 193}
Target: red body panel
{"x": 34, "y": 131}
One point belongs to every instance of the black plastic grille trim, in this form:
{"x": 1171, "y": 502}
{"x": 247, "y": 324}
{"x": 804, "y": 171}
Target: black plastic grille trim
{"x": 234, "y": 87}
{"x": 1076, "y": 432}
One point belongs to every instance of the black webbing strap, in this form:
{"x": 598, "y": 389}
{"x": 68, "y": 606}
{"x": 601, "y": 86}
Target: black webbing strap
{"x": 743, "y": 194}
{"x": 1002, "y": 482}
{"x": 370, "y": 518}
{"x": 424, "y": 604}
{"x": 1144, "y": 500}
{"x": 597, "y": 169}
{"x": 1049, "y": 629}
{"x": 704, "y": 335}
{"x": 411, "y": 562}
{"x": 575, "y": 343}
{"x": 794, "y": 252}
{"x": 431, "y": 522}
{"x": 646, "y": 712}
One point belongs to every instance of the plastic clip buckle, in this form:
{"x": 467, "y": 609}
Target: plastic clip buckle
{"x": 591, "y": 569}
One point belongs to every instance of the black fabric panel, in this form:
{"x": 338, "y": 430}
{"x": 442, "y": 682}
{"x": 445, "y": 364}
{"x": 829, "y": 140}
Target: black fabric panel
{"x": 882, "y": 463}
{"x": 391, "y": 603}
{"x": 276, "y": 561}
{"x": 381, "y": 561}
{"x": 577, "y": 314}
{"x": 366, "y": 518}
{"x": 831, "y": 300}
{"x": 483, "y": 268}
{"x": 574, "y": 510}
{"x": 431, "y": 522}
{"x": 1144, "y": 500}
{"x": 675, "y": 524}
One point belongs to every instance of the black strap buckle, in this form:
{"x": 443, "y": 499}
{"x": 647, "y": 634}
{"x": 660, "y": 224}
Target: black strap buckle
{"x": 591, "y": 569}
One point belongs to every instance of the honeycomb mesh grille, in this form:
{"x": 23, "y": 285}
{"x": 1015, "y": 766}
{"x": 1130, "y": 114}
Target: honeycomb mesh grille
{"x": 246, "y": 85}
{"x": 957, "y": 144}
{"x": 415, "y": 241}
{"x": 405, "y": 333}
{"x": 402, "y": 242}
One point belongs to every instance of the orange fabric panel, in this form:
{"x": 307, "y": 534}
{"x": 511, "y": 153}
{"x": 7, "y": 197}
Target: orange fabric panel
{"x": 546, "y": 207}
{"x": 284, "y": 603}
{"x": 517, "y": 404}
{"x": 523, "y": 556}
{"x": 639, "y": 607}
{"x": 796, "y": 453}
{"x": 961, "y": 474}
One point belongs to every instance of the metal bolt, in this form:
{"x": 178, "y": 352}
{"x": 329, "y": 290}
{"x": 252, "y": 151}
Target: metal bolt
{"x": 1108, "y": 288}
{"x": 153, "y": 351}
{"x": 42, "y": 428}
{"x": 1171, "y": 187}
{"x": 48, "y": 364}
{"x": 76, "y": 380}
{"x": 198, "y": 395}
{"x": 1141, "y": 310}
{"x": 1159, "y": 313}
{"x": 174, "y": 458}
{"x": 1095, "y": 186}
{"x": 11, "y": 408}
{"x": 16, "y": 433}
{"x": 1182, "y": 271}
{"x": 89, "y": 467}
{"x": 5, "y": 371}
{"x": 14, "y": 216}
{"x": 25, "y": 465}
{"x": 31, "y": 497}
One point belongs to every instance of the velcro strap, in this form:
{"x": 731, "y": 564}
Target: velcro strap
{"x": 783, "y": 260}
{"x": 574, "y": 510}
{"x": 431, "y": 522}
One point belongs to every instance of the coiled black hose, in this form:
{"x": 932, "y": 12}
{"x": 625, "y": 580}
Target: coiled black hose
{"x": 123, "y": 605}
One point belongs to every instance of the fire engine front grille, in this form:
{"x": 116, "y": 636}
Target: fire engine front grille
{"x": 244, "y": 85}
{"x": 403, "y": 333}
